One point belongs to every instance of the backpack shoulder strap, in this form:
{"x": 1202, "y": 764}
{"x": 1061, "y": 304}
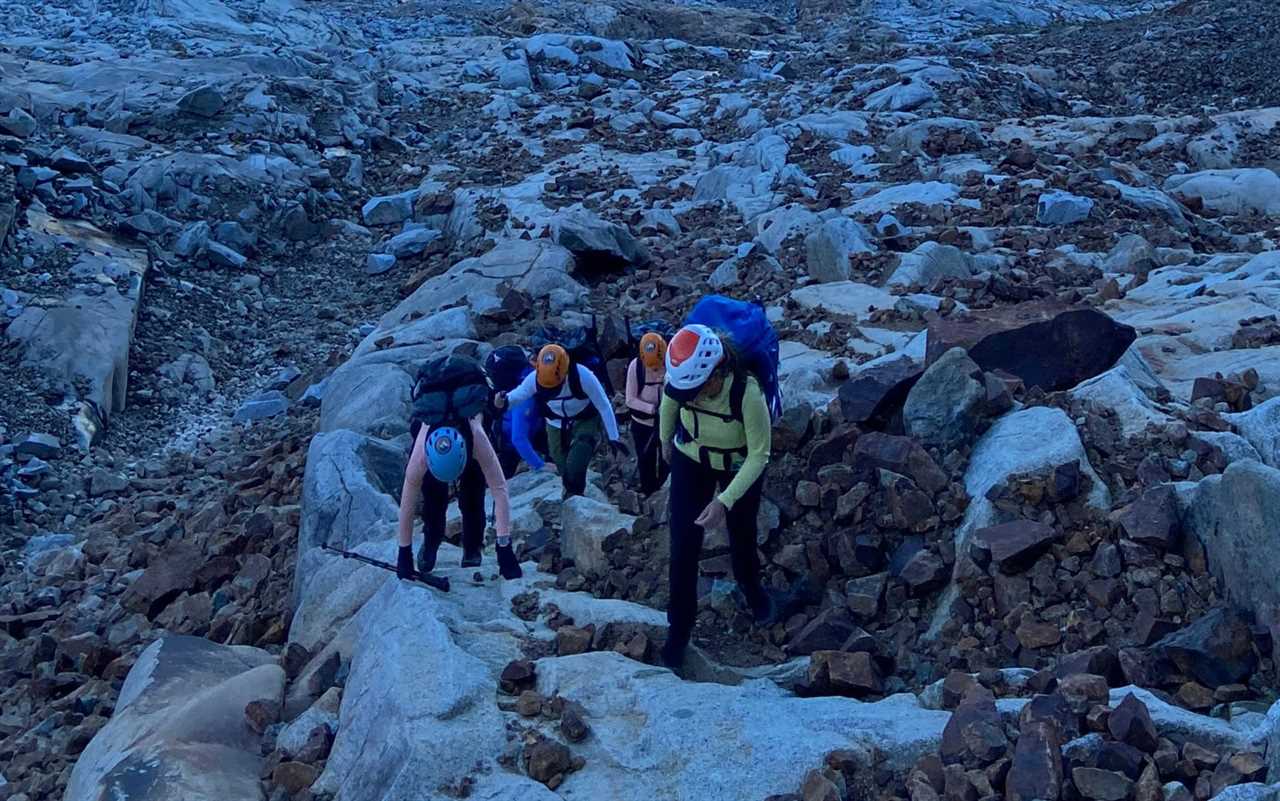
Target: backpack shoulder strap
{"x": 575, "y": 380}
{"x": 641, "y": 376}
{"x": 737, "y": 393}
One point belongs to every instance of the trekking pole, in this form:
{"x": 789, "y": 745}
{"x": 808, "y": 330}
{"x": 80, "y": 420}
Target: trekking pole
{"x": 440, "y": 583}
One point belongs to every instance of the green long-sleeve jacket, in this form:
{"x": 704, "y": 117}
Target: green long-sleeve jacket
{"x": 738, "y": 446}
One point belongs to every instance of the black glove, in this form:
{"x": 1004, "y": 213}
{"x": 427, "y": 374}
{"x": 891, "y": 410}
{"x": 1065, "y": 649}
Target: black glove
{"x": 404, "y": 563}
{"x": 620, "y": 449}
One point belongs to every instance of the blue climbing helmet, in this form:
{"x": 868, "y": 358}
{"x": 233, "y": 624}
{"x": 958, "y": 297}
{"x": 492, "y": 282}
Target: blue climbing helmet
{"x": 446, "y": 453}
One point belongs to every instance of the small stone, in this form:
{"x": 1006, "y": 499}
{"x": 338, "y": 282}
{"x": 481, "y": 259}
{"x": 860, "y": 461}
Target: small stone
{"x": 573, "y": 724}
{"x": 379, "y": 263}
{"x": 529, "y": 704}
{"x": 42, "y": 446}
{"x": 571, "y": 640}
{"x": 1102, "y": 785}
{"x": 1131, "y": 723}
{"x": 294, "y": 777}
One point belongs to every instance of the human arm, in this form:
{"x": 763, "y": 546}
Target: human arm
{"x": 487, "y": 458}
{"x": 595, "y": 392}
{"x": 522, "y": 418}
{"x": 635, "y": 401}
{"x": 759, "y": 429}
{"x": 668, "y": 412}
{"x": 522, "y": 393}
{"x": 412, "y": 488}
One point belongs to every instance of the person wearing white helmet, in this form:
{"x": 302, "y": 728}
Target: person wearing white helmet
{"x": 715, "y": 430}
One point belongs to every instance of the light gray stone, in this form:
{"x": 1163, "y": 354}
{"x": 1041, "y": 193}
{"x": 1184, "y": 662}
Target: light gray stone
{"x": 179, "y": 727}
{"x": 595, "y": 242}
{"x": 1232, "y": 192}
{"x": 1261, "y": 427}
{"x": 947, "y": 405}
{"x": 829, "y": 247}
{"x": 413, "y": 242}
{"x": 930, "y": 262}
{"x": 1062, "y": 208}
{"x": 589, "y": 531}
{"x": 1233, "y": 515}
{"x": 389, "y": 209}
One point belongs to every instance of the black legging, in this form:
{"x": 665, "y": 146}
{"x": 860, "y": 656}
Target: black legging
{"x": 692, "y": 488}
{"x": 435, "y": 504}
{"x": 653, "y": 471}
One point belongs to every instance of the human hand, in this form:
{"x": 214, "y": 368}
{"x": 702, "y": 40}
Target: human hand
{"x": 713, "y": 517}
{"x": 500, "y": 401}
{"x": 404, "y": 563}
{"x": 549, "y": 467}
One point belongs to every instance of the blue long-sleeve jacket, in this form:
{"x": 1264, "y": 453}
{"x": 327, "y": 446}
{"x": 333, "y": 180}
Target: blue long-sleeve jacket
{"x": 520, "y": 420}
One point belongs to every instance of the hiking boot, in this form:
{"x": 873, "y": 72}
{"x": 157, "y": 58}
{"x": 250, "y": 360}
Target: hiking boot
{"x": 508, "y": 565}
{"x": 471, "y": 559}
{"x": 427, "y": 554}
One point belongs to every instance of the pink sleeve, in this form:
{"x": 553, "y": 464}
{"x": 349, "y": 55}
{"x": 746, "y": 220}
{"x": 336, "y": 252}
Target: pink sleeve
{"x": 488, "y": 460}
{"x": 634, "y": 401}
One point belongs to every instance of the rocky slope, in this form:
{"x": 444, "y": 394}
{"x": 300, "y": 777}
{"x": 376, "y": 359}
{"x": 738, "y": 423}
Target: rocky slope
{"x": 1023, "y": 260}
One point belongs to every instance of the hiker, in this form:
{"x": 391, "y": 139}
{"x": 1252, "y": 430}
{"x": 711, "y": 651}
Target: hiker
{"x": 576, "y": 406}
{"x": 715, "y": 429}
{"x": 451, "y": 447}
{"x": 519, "y": 432}
{"x": 645, "y": 376}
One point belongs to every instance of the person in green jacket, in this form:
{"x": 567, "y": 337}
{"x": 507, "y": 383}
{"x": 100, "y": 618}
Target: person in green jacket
{"x": 715, "y": 430}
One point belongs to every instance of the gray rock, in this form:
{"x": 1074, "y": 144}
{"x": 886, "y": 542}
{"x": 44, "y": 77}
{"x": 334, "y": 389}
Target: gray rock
{"x": 1062, "y": 208}
{"x": 179, "y": 728}
{"x": 947, "y": 406}
{"x": 349, "y": 490}
{"x": 413, "y": 242}
{"x": 379, "y": 263}
{"x": 515, "y": 74}
{"x": 261, "y": 407}
{"x": 596, "y": 243}
{"x": 1232, "y": 192}
{"x": 1132, "y": 254}
{"x": 324, "y": 712}
{"x": 66, "y": 160}
{"x": 220, "y": 255}
{"x": 235, "y": 236}
{"x": 590, "y": 530}
{"x": 40, "y": 445}
{"x": 829, "y": 247}
{"x": 18, "y": 123}
{"x": 1233, "y": 515}
{"x": 930, "y": 262}
{"x": 1260, "y": 426}
{"x": 389, "y": 209}
{"x": 204, "y": 101}
{"x": 193, "y": 239}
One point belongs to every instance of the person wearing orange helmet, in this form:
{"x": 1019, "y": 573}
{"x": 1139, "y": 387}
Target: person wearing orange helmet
{"x": 645, "y": 377}
{"x": 576, "y": 408}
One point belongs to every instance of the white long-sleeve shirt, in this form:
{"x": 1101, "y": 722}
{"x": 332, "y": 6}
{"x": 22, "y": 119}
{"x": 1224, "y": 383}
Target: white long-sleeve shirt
{"x": 568, "y": 405}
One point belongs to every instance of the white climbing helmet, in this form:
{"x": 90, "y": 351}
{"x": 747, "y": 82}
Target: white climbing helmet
{"x": 693, "y": 353}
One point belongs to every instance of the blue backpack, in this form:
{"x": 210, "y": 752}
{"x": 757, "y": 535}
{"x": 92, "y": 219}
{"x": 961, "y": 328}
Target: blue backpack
{"x": 754, "y": 342}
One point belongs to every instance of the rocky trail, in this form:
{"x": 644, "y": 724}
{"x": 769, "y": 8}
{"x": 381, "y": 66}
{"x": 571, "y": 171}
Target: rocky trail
{"x": 1023, "y": 260}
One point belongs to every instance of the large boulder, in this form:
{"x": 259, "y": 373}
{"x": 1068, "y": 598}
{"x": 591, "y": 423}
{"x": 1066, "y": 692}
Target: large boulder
{"x": 1261, "y": 427}
{"x": 179, "y": 728}
{"x": 536, "y": 266}
{"x": 1044, "y": 344}
{"x": 1233, "y": 515}
{"x": 596, "y": 244}
{"x": 81, "y": 345}
{"x": 948, "y": 405}
{"x": 1032, "y": 440}
{"x": 1242, "y": 191}
{"x": 875, "y": 394}
{"x": 590, "y": 530}
{"x": 350, "y": 490}
{"x": 829, "y": 247}
{"x": 1215, "y": 650}
{"x": 649, "y": 731}
{"x": 931, "y": 262}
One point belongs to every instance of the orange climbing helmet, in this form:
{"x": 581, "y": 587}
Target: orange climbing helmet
{"x": 553, "y": 366}
{"x": 653, "y": 351}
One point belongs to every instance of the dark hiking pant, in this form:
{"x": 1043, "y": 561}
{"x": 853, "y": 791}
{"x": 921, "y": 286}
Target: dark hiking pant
{"x": 435, "y": 504}
{"x": 692, "y": 488}
{"x": 649, "y": 462}
{"x": 572, "y": 447}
